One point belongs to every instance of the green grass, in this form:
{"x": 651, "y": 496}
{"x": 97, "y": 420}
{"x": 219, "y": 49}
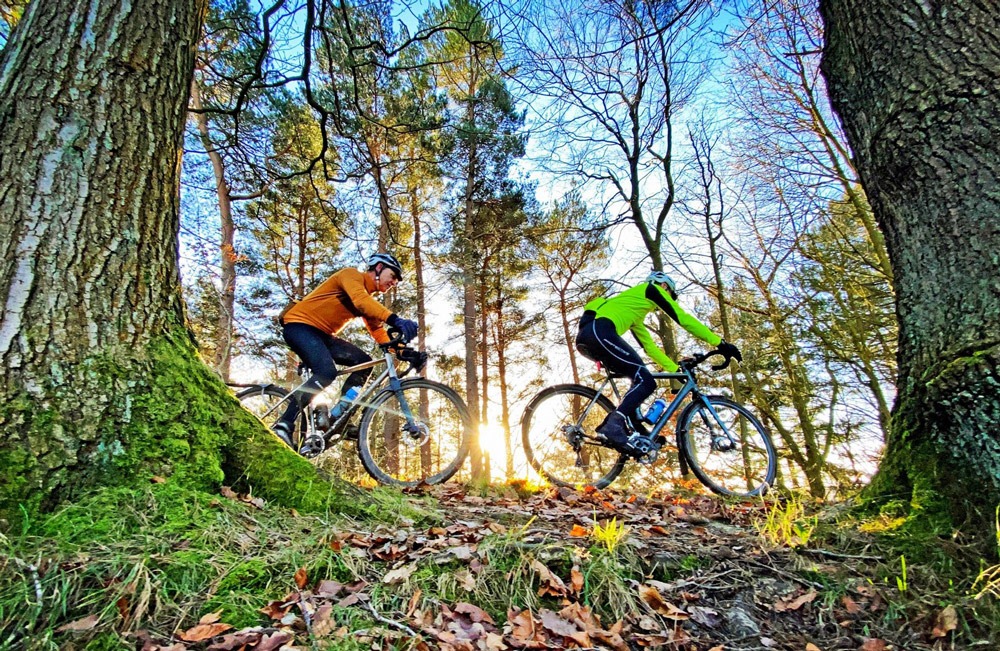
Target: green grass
{"x": 154, "y": 558}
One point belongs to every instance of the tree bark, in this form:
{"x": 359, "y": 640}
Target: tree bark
{"x": 916, "y": 86}
{"x": 102, "y": 382}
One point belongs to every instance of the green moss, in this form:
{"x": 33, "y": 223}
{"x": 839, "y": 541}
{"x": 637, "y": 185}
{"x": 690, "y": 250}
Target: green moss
{"x": 153, "y": 412}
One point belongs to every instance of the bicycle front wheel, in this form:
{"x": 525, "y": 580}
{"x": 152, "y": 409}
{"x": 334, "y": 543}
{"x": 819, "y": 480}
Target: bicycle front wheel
{"x": 557, "y": 431}
{"x": 430, "y": 448}
{"x": 729, "y": 450}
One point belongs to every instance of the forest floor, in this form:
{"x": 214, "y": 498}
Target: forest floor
{"x": 504, "y": 569}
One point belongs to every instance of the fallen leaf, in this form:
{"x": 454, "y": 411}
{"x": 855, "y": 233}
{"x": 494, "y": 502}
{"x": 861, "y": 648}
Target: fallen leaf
{"x": 548, "y": 583}
{"x": 576, "y": 580}
{"x": 301, "y": 578}
{"x": 579, "y": 531}
{"x": 156, "y": 479}
{"x": 466, "y": 580}
{"x": 82, "y": 624}
{"x": 872, "y": 644}
{"x": 812, "y": 647}
{"x": 795, "y": 604}
{"x": 211, "y": 618}
{"x": 850, "y": 605}
{"x": 414, "y": 601}
{"x": 322, "y": 622}
{"x": 399, "y": 575}
{"x": 475, "y": 613}
{"x": 946, "y": 620}
{"x": 203, "y": 632}
{"x": 656, "y": 601}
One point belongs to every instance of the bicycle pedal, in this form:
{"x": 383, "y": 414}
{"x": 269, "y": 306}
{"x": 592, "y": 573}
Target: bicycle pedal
{"x": 312, "y": 446}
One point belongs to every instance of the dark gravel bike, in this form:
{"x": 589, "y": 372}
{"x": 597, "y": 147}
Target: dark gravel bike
{"x": 719, "y": 440}
{"x": 411, "y": 430}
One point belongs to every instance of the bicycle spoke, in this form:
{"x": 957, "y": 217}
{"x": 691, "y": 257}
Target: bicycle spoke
{"x": 429, "y": 447}
{"x": 556, "y": 430}
{"x": 729, "y": 450}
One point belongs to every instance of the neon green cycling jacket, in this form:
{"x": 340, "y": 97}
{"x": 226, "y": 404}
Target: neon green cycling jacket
{"x": 628, "y": 311}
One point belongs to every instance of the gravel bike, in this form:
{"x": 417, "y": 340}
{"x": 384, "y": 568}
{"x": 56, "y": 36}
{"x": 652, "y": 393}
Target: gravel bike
{"x": 411, "y": 430}
{"x": 719, "y": 440}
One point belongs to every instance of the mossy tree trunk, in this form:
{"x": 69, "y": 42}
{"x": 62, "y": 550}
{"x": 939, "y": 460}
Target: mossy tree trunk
{"x": 101, "y": 381}
{"x": 916, "y": 86}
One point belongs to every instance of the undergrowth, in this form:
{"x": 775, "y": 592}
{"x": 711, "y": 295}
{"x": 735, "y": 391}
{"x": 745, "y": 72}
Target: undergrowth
{"x": 160, "y": 557}
{"x": 924, "y": 571}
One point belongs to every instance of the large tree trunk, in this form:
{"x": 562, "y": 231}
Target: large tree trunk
{"x": 101, "y": 380}
{"x": 916, "y": 85}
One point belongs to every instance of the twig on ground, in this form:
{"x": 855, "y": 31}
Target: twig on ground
{"x": 386, "y": 620}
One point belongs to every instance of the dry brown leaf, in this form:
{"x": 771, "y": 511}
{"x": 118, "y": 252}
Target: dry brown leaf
{"x": 946, "y": 620}
{"x": 301, "y": 578}
{"x": 82, "y": 624}
{"x": 475, "y": 613}
{"x": 850, "y": 605}
{"x": 556, "y": 624}
{"x": 548, "y": 583}
{"x": 522, "y": 625}
{"x": 576, "y": 580}
{"x": 156, "y": 479}
{"x": 236, "y": 641}
{"x": 872, "y": 644}
{"x": 663, "y": 607}
{"x": 579, "y": 531}
{"x": 466, "y": 580}
{"x": 399, "y": 575}
{"x": 211, "y": 618}
{"x": 276, "y": 609}
{"x": 812, "y": 647}
{"x": 414, "y": 600}
{"x": 322, "y": 621}
{"x": 274, "y": 641}
{"x": 795, "y": 604}
{"x": 203, "y": 632}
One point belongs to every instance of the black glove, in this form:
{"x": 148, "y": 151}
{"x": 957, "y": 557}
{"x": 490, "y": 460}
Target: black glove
{"x": 406, "y": 327}
{"x": 416, "y": 358}
{"x": 729, "y": 350}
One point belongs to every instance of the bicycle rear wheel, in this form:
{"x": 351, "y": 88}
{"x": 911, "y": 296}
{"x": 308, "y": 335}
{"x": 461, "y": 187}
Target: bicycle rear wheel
{"x": 267, "y": 402}
{"x": 732, "y": 454}
{"x": 429, "y": 450}
{"x": 557, "y": 437}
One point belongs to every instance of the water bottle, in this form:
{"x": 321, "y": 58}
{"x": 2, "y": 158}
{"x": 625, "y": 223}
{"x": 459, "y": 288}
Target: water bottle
{"x": 655, "y": 410}
{"x": 345, "y": 400}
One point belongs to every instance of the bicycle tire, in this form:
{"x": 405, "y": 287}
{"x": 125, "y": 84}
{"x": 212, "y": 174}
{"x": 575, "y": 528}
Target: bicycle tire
{"x": 394, "y": 458}
{"x": 747, "y": 469}
{"x": 546, "y": 442}
{"x": 260, "y": 398}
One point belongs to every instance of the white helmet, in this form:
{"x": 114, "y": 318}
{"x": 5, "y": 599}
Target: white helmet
{"x": 661, "y": 277}
{"x": 388, "y": 260}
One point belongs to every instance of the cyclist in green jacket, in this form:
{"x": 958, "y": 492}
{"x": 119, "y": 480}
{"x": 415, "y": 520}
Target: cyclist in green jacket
{"x": 599, "y": 338}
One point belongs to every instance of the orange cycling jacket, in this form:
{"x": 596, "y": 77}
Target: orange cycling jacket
{"x": 342, "y": 297}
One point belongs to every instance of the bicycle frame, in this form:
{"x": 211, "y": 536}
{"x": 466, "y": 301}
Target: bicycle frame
{"x": 689, "y": 387}
{"x": 370, "y": 389}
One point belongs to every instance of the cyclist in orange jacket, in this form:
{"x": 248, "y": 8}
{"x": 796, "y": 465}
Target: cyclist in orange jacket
{"x": 604, "y": 322}
{"x": 311, "y": 325}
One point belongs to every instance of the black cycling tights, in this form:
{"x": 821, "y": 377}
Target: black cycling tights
{"x": 598, "y": 340}
{"x": 320, "y": 352}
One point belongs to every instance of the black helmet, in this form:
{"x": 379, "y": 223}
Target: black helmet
{"x": 388, "y": 260}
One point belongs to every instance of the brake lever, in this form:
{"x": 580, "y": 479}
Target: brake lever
{"x": 725, "y": 364}
{"x": 395, "y": 339}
